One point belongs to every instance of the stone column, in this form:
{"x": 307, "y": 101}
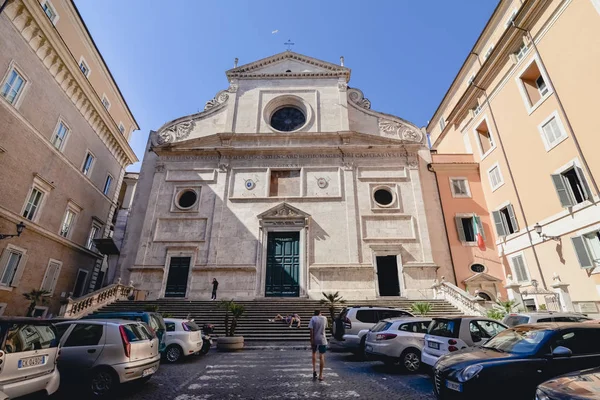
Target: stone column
{"x": 513, "y": 289}
{"x": 561, "y": 289}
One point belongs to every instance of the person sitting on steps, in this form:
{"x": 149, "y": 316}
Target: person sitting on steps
{"x": 289, "y": 319}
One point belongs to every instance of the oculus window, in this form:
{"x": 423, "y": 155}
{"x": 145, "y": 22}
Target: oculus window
{"x": 288, "y": 119}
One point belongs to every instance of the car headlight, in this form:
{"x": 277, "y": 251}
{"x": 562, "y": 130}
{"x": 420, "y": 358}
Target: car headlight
{"x": 539, "y": 395}
{"x": 469, "y": 372}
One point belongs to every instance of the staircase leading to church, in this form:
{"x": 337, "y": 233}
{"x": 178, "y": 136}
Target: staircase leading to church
{"x": 254, "y": 324}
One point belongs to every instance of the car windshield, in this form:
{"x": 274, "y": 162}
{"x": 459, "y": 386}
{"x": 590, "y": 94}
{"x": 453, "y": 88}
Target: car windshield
{"x": 514, "y": 320}
{"x": 192, "y": 326}
{"x": 381, "y": 326}
{"x": 519, "y": 340}
{"x": 444, "y": 328}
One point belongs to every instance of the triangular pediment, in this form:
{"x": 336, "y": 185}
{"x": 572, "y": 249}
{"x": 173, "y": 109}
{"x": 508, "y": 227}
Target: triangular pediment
{"x": 288, "y": 65}
{"x": 283, "y": 211}
{"x": 482, "y": 277}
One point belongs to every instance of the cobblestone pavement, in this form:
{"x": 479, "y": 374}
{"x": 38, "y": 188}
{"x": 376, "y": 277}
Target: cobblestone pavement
{"x": 272, "y": 375}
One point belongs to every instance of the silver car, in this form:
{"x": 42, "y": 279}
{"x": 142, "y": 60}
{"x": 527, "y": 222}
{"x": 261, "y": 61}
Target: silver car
{"x": 104, "y": 353}
{"x": 184, "y": 338}
{"x": 28, "y": 357}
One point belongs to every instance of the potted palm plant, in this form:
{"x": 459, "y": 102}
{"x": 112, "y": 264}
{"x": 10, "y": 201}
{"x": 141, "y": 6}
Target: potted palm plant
{"x": 332, "y": 301}
{"x": 230, "y": 342}
{"x": 35, "y": 297}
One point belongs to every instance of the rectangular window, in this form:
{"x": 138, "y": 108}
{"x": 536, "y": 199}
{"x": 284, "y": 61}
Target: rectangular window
{"x": 121, "y": 128}
{"x": 84, "y": 68}
{"x": 13, "y": 86}
{"x": 460, "y": 187}
{"x": 477, "y": 110}
{"x": 49, "y": 10}
{"x": 33, "y": 204}
{"x": 587, "y": 248}
{"x": 522, "y": 51}
{"x": 510, "y": 19}
{"x": 90, "y": 240}
{"x": 488, "y": 52}
{"x": 60, "y": 135}
{"x": 468, "y": 228}
{"x": 105, "y": 102}
{"x": 519, "y": 269}
{"x": 285, "y": 183}
{"x": 552, "y": 131}
{"x": 533, "y": 85}
{"x": 87, "y": 164}
{"x": 471, "y": 80}
{"x": 67, "y": 223}
{"x": 484, "y": 138}
{"x": 495, "y": 176}
{"x": 505, "y": 221}
{"x": 51, "y": 276}
{"x": 12, "y": 263}
{"x": 107, "y": 185}
{"x": 442, "y": 124}
{"x": 571, "y": 187}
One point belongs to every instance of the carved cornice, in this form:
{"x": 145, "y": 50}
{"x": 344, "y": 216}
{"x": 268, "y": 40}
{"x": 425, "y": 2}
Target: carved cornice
{"x": 37, "y": 30}
{"x": 247, "y": 71}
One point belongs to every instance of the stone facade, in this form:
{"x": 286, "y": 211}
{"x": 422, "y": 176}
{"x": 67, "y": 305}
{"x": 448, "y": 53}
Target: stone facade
{"x": 253, "y": 181}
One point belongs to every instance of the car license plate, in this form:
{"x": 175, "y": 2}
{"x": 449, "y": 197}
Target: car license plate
{"x": 433, "y": 345}
{"x": 148, "y": 371}
{"x": 454, "y": 386}
{"x": 32, "y": 361}
{"x": 369, "y": 348}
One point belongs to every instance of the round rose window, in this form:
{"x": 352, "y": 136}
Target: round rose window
{"x": 288, "y": 119}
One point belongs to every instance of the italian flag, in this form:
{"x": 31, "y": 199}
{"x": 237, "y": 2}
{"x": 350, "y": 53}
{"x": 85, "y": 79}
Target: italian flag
{"x": 478, "y": 234}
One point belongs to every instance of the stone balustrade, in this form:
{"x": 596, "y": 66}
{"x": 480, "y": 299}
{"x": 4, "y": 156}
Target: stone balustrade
{"x": 77, "y": 308}
{"x": 459, "y": 298}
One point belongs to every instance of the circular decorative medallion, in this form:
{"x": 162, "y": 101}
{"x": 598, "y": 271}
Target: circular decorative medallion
{"x": 322, "y": 183}
{"x": 288, "y": 119}
{"x": 250, "y": 184}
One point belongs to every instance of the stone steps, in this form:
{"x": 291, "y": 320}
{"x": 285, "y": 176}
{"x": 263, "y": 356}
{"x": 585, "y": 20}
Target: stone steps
{"x": 254, "y": 324}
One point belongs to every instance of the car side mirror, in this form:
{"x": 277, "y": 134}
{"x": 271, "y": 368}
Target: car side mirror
{"x": 476, "y": 339}
{"x": 562, "y": 351}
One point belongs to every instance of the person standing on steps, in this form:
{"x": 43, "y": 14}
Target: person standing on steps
{"x": 215, "y": 284}
{"x": 318, "y": 342}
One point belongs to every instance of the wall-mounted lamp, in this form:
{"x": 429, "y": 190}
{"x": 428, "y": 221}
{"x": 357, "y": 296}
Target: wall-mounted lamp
{"x": 538, "y": 230}
{"x": 20, "y": 228}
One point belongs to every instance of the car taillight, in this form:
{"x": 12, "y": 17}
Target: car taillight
{"x": 347, "y": 323}
{"x": 452, "y": 341}
{"x": 185, "y": 327}
{"x": 125, "y": 339}
{"x": 385, "y": 336}
{"x": 452, "y": 348}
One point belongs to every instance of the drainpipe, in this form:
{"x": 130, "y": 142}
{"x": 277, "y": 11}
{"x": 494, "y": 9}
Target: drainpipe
{"x": 562, "y": 109}
{"x": 514, "y": 184}
{"x": 437, "y": 185}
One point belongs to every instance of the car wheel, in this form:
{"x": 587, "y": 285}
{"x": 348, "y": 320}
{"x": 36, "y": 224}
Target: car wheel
{"x": 173, "y": 353}
{"x": 411, "y": 360}
{"x": 205, "y": 347}
{"x": 103, "y": 382}
{"x": 360, "y": 353}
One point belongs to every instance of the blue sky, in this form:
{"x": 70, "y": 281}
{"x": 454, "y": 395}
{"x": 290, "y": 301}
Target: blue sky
{"x": 170, "y": 57}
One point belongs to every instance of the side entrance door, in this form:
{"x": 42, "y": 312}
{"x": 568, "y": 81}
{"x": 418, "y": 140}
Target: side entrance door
{"x": 178, "y": 277}
{"x": 283, "y": 264}
{"x": 387, "y": 276}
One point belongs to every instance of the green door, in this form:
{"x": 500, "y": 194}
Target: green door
{"x": 283, "y": 264}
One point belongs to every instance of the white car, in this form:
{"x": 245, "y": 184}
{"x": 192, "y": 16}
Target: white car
{"x": 184, "y": 338}
{"x": 398, "y": 341}
{"x": 446, "y": 335}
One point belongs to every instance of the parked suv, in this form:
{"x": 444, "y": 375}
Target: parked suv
{"x": 514, "y": 319}
{"x": 353, "y": 323}
{"x": 104, "y": 353}
{"x": 28, "y": 357}
{"x": 447, "y": 335}
{"x": 184, "y": 338}
{"x": 154, "y": 320}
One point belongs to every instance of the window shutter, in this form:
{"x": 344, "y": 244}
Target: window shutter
{"x": 479, "y": 226}
{"x": 459, "y": 228}
{"x": 50, "y": 277}
{"x": 513, "y": 218}
{"x": 587, "y": 194}
{"x": 519, "y": 267}
{"x": 561, "y": 190}
{"x": 4, "y": 261}
{"x": 499, "y": 223}
{"x": 582, "y": 252}
{"x": 19, "y": 272}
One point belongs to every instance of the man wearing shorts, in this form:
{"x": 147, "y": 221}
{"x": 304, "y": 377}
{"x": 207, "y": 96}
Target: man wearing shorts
{"x": 318, "y": 342}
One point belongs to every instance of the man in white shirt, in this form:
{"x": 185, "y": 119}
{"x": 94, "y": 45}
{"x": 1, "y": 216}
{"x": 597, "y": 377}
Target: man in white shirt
{"x": 318, "y": 342}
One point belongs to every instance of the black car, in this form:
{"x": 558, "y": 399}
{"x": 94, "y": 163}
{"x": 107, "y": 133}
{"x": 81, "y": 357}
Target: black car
{"x": 576, "y": 386}
{"x": 515, "y": 361}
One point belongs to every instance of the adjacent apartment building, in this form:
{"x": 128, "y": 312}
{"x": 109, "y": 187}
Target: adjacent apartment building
{"x": 64, "y": 131}
{"x": 514, "y": 142}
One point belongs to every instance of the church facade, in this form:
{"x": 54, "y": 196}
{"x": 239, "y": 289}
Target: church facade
{"x": 287, "y": 184}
